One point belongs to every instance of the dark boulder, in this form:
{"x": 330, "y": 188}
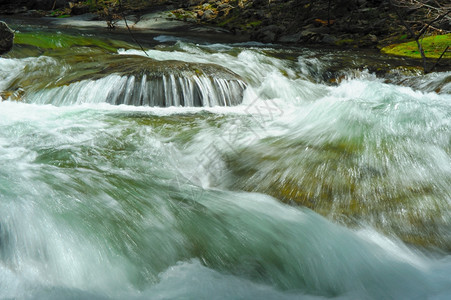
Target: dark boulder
{"x": 6, "y": 38}
{"x": 267, "y": 34}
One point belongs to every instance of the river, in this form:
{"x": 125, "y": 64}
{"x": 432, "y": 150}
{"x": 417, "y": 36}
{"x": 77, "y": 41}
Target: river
{"x": 220, "y": 171}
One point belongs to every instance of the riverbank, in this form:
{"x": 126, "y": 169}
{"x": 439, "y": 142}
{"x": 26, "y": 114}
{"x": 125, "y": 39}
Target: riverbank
{"x": 144, "y": 29}
{"x": 343, "y": 24}
{"x": 147, "y": 28}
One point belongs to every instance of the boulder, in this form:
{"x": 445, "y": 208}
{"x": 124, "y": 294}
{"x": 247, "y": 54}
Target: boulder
{"x": 6, "y": 38}
{"x": 268, "y": 34}
{"x": 208, "y": 15}
{"x": 291, "y": 38}
{"x": 329, "y": 39}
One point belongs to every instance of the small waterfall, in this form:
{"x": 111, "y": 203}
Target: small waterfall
{"x": 163, "y": 91}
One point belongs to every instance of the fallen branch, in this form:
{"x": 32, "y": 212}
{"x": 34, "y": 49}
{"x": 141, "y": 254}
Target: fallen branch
{"x": 432, "y": 22}
{"x": 443, "y": 14}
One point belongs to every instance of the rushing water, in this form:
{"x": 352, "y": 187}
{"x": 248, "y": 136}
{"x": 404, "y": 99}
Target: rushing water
{"x": 267, "y": 178}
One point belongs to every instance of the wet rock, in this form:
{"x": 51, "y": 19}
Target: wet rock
{"x": 6, "y": 38}
{"x": 329, "y": 39}
{"x": 208, "y": 15}
{"x": 373, "y": 38}
{"x": 291, "y": 38}
{"x": 139, "y": 66}
{"x": 224, "y": 6}
{"x": 368, "y": 40}
{"x": 307, "y": 34}
{"x": 267, "y": 34}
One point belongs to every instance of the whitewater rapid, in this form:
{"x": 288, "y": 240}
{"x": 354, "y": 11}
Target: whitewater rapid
{"x": 300, "y": 189}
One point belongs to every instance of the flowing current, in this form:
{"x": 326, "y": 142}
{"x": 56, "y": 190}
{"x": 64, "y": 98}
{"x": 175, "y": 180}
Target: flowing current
{"x": 220, "y": 171}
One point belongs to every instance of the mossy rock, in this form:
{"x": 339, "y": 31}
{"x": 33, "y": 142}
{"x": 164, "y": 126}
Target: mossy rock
{"x": 139, "y": 66}
{"x": 345, "y": 42}
{"x": 433, "y": 47}
{"x": 48, "y": 40}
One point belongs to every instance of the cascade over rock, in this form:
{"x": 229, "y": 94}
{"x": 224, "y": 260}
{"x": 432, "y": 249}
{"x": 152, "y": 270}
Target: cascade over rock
{"x": 140, "y": 81}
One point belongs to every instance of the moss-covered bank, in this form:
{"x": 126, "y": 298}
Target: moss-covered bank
{"x": 433, "y": 47}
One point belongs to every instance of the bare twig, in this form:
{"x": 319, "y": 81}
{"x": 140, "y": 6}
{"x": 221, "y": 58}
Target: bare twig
{"x": 432, "y": 22}
{"x": 443, "y": 13}
{"x": 423, "y": 4}
{"x": 441, "y": 31}
{"x": 412, "y": 35}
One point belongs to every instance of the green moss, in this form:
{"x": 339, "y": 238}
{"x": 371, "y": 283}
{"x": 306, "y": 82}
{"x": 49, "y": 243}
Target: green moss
{"x": 98, "y": 4}
{"x": 181, "y": 15}
{"x": 344, "y": 42}
{"x": 254, "y": 24}
{"x": 249, "y": 25}
{"x": 208, "y": 7}
{"x": 177, "y": 15}
{"x": 228, "y": 20}
{"x": 46, "y": 40}
{"x": 433, "y": 47}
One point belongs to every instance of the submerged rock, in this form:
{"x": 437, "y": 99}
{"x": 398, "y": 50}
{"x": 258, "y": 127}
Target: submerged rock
{"x": 6, "y": 38}
{"x": 291, "y": 38}
{"x": 208, "y": 15}
{"x": 135, "y": 65}
{"x": 336, "y": 180}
